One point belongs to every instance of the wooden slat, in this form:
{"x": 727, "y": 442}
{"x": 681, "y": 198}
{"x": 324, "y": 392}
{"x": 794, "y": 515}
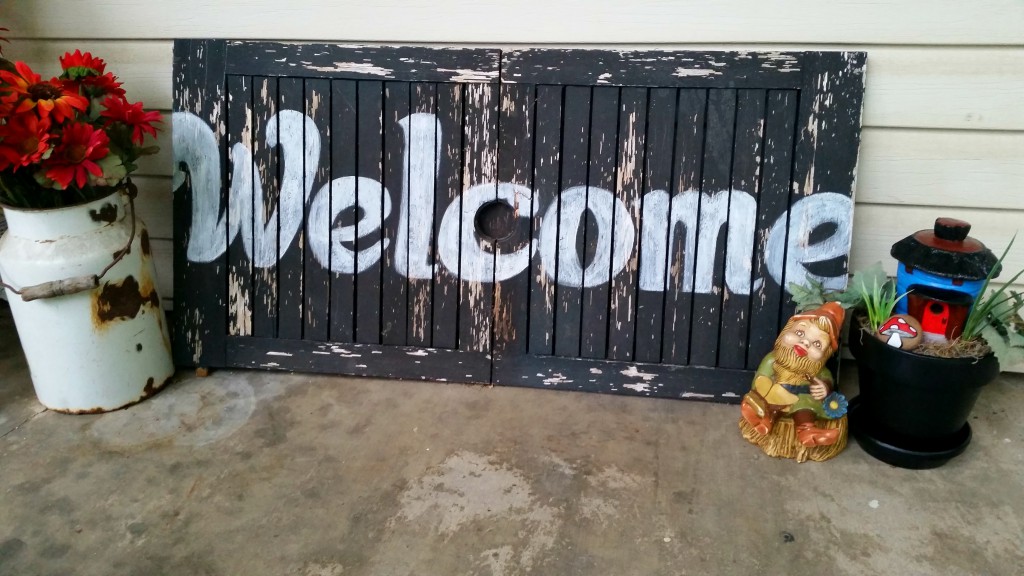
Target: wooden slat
{"x": 946, "y": 87}
{"x": 343, "y": 164}
{"x": 291, "y": 263}
{"x": 198, "y": 335}
{"x": 628, "y": 187}
{"x": 772, "y": 201}
{"x": 266, "y": 192}
{"x": 986, "y": 22}
{"x": 163, "y": 259}
{"x": 476, "y": 298}
{"x": 144, "y": 67}
{"x": 405, "y": 362}
{"x": 546, "y": 159}
{"x": 747, "y": 167}
{"x": 715, "y": 180}
{"x": 317, "y": 277}
{"x": 681, "y": 261}
{"x": 660, "y": 68}
{"x": 369, "y": 153}
{"x": 394, "y": 302}
{"x": 515, "y": 165}
{"x": 957, "y": 87}
{"x": 879, "y": 227}
{"x": 410, "y": 64}
{"x": 938, "y": 168}
{"x": 447, "y": 192}
{"x": 240, "y": 268}
{"x": 597, "y": 257}
{"x": 420, "y": 295}
{"x": 650, "y": 309}
{"x": 154, "y": 204}
{"x": 570, "y": 248}
{"x": 825, "y": 162}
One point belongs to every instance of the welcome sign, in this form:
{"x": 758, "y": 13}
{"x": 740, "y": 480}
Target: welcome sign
{"x": 594, "y": 220}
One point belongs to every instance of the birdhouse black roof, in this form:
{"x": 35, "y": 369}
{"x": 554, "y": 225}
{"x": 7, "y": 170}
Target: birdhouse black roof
{"x": 946, "y": 250}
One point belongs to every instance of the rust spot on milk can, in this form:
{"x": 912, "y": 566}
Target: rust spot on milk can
{"x": 122, "y": 300}
{"x": 107, "y": 213}
{"x": 144, "y": 240}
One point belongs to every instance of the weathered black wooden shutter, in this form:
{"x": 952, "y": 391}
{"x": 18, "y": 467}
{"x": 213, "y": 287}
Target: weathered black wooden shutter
{"x": 289, "y": 291}
{"x": 576, "y": 219}
{"x": 691, "y": 160}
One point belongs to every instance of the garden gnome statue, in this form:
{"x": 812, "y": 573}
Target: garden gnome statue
{"x": 791, "y": 410}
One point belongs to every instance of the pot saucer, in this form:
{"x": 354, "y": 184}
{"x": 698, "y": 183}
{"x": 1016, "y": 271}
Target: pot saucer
{"x": 915, "y": 454}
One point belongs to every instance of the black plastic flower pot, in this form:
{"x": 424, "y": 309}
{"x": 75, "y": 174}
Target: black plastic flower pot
{"x": 912, "y": 409}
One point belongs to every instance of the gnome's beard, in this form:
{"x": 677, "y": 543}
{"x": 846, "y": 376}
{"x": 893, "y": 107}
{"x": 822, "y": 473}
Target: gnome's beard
{"x": 801, "y": 366}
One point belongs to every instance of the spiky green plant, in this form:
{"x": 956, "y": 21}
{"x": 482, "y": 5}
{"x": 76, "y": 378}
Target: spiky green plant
{"x": 873, "y": 290}
{"x": 995, "y": 317}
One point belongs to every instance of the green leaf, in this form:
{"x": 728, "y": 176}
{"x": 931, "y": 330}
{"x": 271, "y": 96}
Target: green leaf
{"x": 807, "y": 296}
{"x": 995, "y": 342}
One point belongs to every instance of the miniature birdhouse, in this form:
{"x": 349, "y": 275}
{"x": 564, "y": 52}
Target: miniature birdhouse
{"x": 943, "y": 270}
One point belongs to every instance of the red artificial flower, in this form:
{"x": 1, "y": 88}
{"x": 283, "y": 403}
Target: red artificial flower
{"x": 29, "y": 91}
{"x": 75, "y": 157}
{"x": 120, "y": 110}
{"x": 84, "y": 74}
{"x": 85, "y": 62}
{"x": 23, "y": 140}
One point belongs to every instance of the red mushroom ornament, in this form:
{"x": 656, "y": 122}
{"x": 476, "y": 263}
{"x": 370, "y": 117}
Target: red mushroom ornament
{"x": 902, "y": 331}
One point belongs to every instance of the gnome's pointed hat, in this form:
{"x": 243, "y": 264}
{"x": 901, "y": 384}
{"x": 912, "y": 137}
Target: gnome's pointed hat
{"x": 832, "y": 312}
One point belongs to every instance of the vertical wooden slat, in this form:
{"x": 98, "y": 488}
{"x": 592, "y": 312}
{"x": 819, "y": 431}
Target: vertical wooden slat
{"x": 632, "y": 139}
{"x": 773, "y": 200}
{"x": 448, "y": 196}
{"x": 571, "y": 250}
{"x": 746, "y": 171}
{"x": 476, "y": 298}
{"x": 515, "y": 166}
{"x": 200, "y": 288}
{"x": 369, "y": 153}
{"x": 826, "y": 161}
{"x": 682, "y": 221}
{"x": 292, "y": 260}
{"x": 707, "y": 304}
{"x": 604, "y": 125}
{"x": 317, "y": 276}
{"x": 343, "y": 144}
{"x": 266, "y": 191}
{"x": 420, "y": 295}
{"x": 394, "y": 303}
{"x": 661, "y": 121}
{"x": 240, "y": 269}
{"x": 547, "y": 157}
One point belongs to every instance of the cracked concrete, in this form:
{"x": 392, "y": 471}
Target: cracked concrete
{"x": 290, "y": 474}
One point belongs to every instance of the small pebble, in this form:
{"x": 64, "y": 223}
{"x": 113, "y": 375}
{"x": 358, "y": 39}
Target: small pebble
{"x": 667, "y": 539}
{"x": 873, "y": 503}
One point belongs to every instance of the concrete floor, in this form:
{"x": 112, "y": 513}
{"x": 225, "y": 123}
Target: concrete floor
{"x": 280, "y": 474}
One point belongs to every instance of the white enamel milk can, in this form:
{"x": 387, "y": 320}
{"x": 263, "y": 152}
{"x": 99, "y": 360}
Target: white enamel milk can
{"x": 94, "y": 340}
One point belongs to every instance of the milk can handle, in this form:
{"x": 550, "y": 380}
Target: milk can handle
{"x": 78, "y": 284}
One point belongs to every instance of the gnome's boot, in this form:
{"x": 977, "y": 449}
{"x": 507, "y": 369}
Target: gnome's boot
{"x": 755, "y": 411}
{"x": 810, "y": 435}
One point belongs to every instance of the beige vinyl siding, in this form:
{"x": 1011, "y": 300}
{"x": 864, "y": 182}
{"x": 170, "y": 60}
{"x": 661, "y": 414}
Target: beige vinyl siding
{"x": 943, "y": 114}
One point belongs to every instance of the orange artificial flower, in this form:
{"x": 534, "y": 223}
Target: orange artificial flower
{"x": 28, "y": 91}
